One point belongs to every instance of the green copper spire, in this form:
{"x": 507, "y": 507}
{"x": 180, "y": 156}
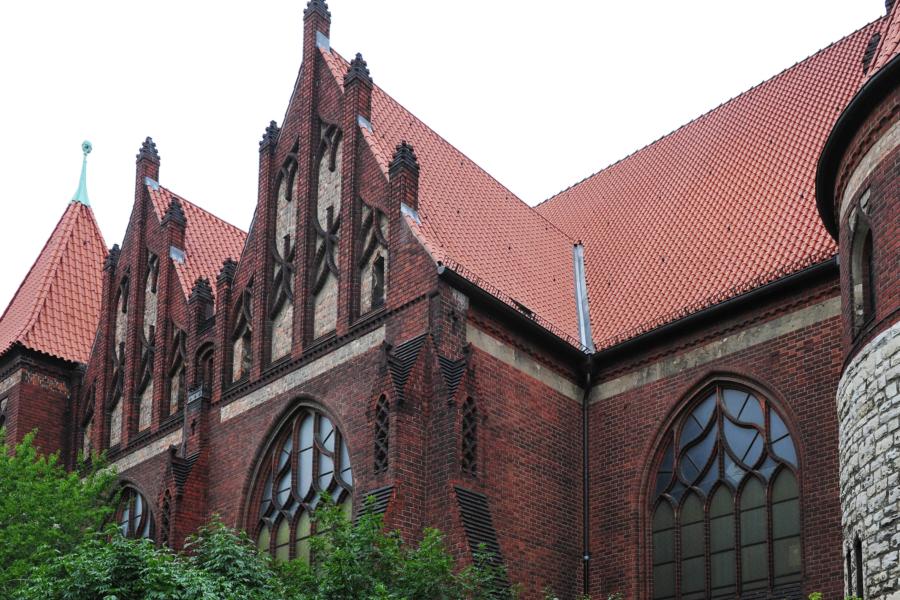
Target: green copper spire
{"x": 81, "y": 195}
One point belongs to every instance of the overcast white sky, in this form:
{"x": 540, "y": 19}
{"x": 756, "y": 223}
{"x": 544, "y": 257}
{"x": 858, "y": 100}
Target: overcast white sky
{"x": 540, "y": 94}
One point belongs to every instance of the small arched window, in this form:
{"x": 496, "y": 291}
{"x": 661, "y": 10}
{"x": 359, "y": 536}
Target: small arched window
{"x": 133, "y": 515}
{"x": 177, "y": 372}
{"x": 307, "y": 458}
{"x": 382, "y": 435}
{"x": 862, "y": 265}
{"x": 725, "y": 509}
{"x": 469, "y": 430}
{"x": 204, "y": 375}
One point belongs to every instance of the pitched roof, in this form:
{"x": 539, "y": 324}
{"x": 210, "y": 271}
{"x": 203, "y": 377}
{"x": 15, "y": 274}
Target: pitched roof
{"x": 208, "y": 239}
{"x": 57, "y": 307}
{"x": 722, "y": 205}
{"x": 471, "y": 223}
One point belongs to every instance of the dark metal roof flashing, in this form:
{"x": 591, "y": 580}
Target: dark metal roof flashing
{"x": 865, "y": 100}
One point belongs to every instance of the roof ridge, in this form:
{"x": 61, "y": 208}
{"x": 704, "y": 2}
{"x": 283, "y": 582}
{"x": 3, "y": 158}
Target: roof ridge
{"x": 444, "y": 140}
{"x": 710, "y": 111}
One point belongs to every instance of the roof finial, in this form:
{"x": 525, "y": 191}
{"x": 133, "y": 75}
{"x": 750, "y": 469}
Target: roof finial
{"x": 317, "y": 6}
{"x": 358, "y": 70}
{"x": 81, "y": 195}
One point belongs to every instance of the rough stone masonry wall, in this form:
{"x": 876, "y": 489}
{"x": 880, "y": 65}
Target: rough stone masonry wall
{"x": 869, "y": 421}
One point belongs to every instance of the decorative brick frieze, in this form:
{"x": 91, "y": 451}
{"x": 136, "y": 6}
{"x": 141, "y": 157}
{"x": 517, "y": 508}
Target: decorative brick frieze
{"x": 313, "y": 369}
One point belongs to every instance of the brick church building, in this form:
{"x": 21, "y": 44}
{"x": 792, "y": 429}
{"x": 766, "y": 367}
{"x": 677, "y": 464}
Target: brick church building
{"x": 676, "y": 379}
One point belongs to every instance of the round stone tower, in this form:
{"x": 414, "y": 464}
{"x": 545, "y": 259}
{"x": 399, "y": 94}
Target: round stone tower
{"x": 858, "y": 196}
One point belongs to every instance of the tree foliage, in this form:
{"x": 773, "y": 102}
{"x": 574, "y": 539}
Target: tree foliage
{"x": 363, "y": 561}
{"x": 45, "y": 510}
{"x": 359, "y": 561}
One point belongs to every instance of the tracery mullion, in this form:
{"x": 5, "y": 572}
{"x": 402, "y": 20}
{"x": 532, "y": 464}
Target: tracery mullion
{"x": 736, "y": 497}
{"x": 701, "y": 437}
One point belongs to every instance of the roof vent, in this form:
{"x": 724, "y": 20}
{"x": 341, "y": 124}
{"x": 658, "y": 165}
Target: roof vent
{"x": 322, "y": 41}
{"x": 870, "y": 51}
{"x": 176, "y": 254}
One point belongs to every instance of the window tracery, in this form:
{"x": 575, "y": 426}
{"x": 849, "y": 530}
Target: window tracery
{"x": 133, "y": 515}
{"x": 726, "y": 502}
{"x": 118, "y": 365}
{"x": 283, "y": 250}
{"x": 373, "y": 259}
{"x": 326, "y": 225}
{"x": 178, "y": 372}
{"x": 242, "y": 338}
{"x": 148, "y": 344}
{"x": 308, "y": 458}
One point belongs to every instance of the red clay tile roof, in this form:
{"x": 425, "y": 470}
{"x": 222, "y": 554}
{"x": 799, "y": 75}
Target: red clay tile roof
{"x": 57, "y": 307}
{"x": 208, "y": 240}
{"x": 473, "y": 224}
{"x": 889, "y": 46}
{"x": 720, "y": 206}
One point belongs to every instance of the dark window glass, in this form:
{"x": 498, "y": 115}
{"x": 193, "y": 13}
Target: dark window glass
{"x": 857, "y": 551}
{"x": 133, "y": 515}
{"x": 868, "y": 278}
{"x": 786, "y": 528}
{"x": 729, "y": 466}
{"x": 693, "y": 545}
{"x": 378, "y": 282}
{"x": 308, "y": 459}
{"x": 721, "y": 543}
{"x": 754, "y": 540}
{"x": 663, "y": 552}
{"x": 849, "y": 572}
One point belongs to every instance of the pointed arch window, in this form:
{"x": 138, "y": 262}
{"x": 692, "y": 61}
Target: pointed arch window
{"x": 469, "y": 431}
{"x": 178, "y": 372}
{"x": 133, "y": 515}
{"x": 382, "y": 435}
{"x": 242, "y": 357}
{"x": 862, "y": 265}
{"x": 307, "y": 458}
{"x": 725, "y": 509}
{"x": 204, "y": 362}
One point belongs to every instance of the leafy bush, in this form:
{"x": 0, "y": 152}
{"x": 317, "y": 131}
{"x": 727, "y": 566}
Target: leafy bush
{"x": 359, "y": 561}
{"x": 45, "y": 510}
{"x": 363, "y": 561}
